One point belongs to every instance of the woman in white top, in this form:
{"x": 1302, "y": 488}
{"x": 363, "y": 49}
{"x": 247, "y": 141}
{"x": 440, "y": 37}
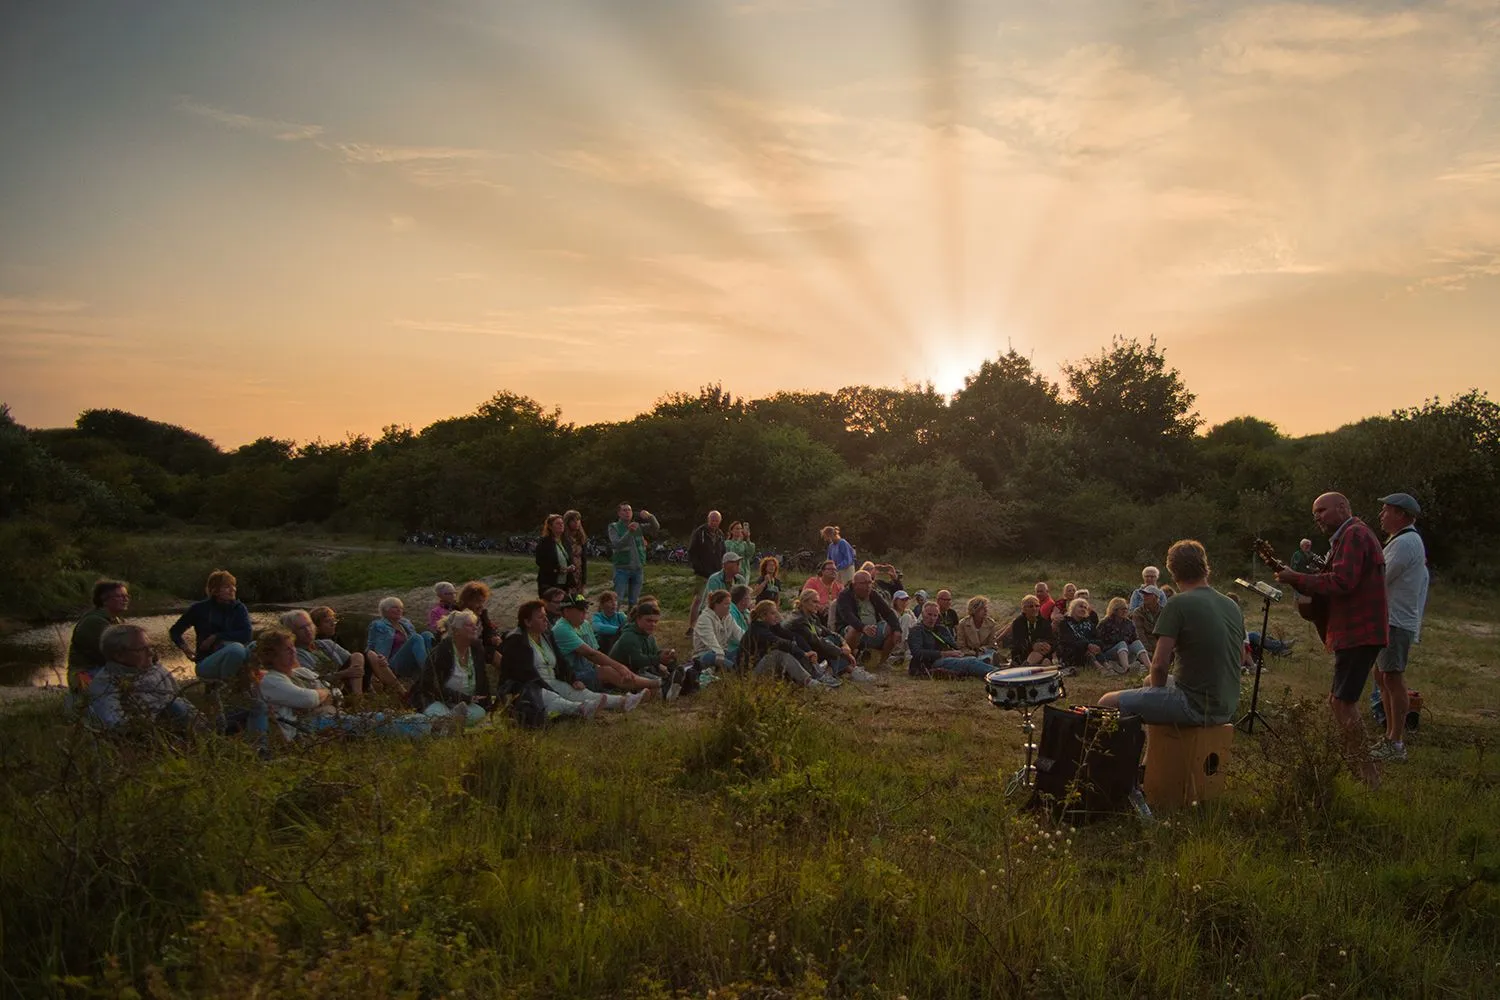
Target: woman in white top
{"x": 715, "y": 632}
{"x": 455, "y": 682}
{"x": 530, "y": 655}
{"x": 299, "y": 700}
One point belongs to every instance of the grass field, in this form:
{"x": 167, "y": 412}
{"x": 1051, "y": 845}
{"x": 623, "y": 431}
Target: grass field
{"x": 761, "y": 842}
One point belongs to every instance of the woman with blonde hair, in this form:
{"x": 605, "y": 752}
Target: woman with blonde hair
{"x": 1118, "y": 641}
{"x": 455, "y": 681}
{"x": 979, "y": 634}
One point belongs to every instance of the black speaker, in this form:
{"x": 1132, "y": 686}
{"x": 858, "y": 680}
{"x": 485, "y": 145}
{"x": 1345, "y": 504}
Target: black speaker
{"x": 1088, "y": 762}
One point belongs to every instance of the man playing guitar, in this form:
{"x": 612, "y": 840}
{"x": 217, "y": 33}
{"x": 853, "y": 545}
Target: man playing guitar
{"x": 1354, "y": 583}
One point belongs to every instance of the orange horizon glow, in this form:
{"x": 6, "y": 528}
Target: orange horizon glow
{"x": 312, "y": 223}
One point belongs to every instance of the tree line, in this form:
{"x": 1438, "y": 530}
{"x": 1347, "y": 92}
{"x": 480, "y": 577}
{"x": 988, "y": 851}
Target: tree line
{"x": 1110, "y": 462}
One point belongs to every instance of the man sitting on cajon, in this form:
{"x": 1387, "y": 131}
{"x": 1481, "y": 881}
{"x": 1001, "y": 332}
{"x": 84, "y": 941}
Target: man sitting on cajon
{"x": 1204, "y": 630}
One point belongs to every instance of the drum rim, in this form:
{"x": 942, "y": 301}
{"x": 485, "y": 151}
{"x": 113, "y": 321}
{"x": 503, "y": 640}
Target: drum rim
{"x": 1032, "y": 676}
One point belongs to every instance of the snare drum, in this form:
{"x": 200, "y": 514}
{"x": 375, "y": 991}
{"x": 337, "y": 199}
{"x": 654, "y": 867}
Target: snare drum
{"x": 1023, "y": 687}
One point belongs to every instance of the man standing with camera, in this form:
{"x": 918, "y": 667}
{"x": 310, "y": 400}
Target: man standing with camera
{"x": 627, "y": 542}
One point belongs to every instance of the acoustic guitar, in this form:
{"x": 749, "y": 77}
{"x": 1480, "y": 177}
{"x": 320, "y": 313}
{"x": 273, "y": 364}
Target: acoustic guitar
{"x": 1312, "y": 607}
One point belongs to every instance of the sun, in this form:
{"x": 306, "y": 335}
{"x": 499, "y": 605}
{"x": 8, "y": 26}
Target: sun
{"x": 950, "y": 370}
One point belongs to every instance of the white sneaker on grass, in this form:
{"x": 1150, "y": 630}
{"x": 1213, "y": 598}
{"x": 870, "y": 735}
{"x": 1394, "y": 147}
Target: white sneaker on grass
{"x": 632, "y": 701}
{"x": 861, "y": 675}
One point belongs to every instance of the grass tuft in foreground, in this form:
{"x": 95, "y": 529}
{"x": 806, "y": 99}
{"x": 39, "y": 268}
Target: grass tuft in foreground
{"x": 761, "y": 843}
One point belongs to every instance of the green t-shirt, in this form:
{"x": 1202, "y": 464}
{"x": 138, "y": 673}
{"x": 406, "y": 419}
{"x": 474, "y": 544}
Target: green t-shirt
{"x": 1210, "y": 635}
{"x": 744, "y": 549}
{"x": 84, "y": 653}
{"x": 867, "y": 612}
{"x": 569, "y": 639}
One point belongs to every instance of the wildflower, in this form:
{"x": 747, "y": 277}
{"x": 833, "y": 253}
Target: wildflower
{"x": 1343, "y": 953}
{"x": 1197, "y": 888}
{"x": 580, "y": 907}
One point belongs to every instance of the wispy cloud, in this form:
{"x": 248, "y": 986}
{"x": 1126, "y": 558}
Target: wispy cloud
{"x": 425, "y": 166}
{"x": 282, "y": 130}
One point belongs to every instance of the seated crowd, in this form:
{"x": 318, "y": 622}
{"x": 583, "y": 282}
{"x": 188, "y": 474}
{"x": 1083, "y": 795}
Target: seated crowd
{"x": 569, "y": 656}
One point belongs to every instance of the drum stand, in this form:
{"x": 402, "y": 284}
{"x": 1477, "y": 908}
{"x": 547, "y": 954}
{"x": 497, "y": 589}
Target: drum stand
{"x": 1026, "y": 776}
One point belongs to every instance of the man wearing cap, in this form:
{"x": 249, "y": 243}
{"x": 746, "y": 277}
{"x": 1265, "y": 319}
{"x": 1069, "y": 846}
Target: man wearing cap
{"x": 1406, "y": 597}
{"x": 1354, "y": 583}
{"x": 575, "y": 640}
{"x": 729, "y": 576}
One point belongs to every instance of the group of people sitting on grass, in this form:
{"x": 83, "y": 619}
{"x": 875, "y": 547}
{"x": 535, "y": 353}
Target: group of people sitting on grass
{"x": 568, "y": 656}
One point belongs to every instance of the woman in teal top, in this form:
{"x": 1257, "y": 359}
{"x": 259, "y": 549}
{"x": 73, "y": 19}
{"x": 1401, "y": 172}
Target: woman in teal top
{"x": 739, "y": 610}
{"x": 553, "y": 560}
{"x": 739, "y": 542}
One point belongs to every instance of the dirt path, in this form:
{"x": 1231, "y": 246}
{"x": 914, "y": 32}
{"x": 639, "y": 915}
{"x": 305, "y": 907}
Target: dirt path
{"x": 506, "y": 594}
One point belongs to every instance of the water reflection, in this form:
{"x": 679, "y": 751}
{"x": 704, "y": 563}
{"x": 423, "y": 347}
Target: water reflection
{"x": 39, "y": 657}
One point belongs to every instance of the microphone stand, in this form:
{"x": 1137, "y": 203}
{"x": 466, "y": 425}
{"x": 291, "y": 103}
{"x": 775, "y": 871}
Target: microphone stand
{"x": 1248, "y": 720}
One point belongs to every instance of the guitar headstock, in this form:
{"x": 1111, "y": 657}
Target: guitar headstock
{"x": 1267, "y": 555}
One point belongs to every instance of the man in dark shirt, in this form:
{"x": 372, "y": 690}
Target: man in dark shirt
{"x": 706, "y": 556}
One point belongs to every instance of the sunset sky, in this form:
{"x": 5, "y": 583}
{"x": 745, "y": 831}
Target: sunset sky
{"x": 307, "y": 219}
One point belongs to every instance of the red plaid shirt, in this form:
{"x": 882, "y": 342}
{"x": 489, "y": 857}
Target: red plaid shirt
{"x": 1355, "y": 586}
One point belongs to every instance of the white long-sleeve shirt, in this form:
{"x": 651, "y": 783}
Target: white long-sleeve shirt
{"x": 712, "y": 634}
{"x": 1406, "y": 581}
{"x": 290, "y": 698}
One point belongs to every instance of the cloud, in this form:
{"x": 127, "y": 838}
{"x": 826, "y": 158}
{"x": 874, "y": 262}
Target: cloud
{"x": 19, "y": 307}
{"x": 284, "y": 131}
{"x": 424, "y": 166}
{"x": 402, "y": 223}
{"x": 1306, "y": 42}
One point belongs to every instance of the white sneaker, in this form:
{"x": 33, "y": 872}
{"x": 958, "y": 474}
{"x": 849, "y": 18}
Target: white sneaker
{"x": 586, "y": 709}
{"x": 861, "y": 675}
{"x": 632, "y": 701}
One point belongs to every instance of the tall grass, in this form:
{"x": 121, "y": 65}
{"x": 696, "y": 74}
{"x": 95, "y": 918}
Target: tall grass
{"x": 757, "y": 843}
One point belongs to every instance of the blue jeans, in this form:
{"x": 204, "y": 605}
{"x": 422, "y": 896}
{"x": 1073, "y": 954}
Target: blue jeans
{"x": 223, "y": 663}
{"x": 964, "y": 666}
{"x": 628, "y": 583}
{"x": 584, "y": 671}
{"x": 1164, "y": 706}
{"x": 409, "y": 659}
{"x": 838, "y": 665}
{"x": 1135, "y": 648}
{"x": 1273, "y": 644}
{"x": 874, "y": 641}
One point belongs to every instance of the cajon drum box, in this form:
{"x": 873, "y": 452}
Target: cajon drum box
{"x": 1185, "y": 764}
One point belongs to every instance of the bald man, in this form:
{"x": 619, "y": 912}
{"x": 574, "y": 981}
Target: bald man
{"x": 1353, "y": 580}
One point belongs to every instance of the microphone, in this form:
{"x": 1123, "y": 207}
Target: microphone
{"x": 1262, "y": 588}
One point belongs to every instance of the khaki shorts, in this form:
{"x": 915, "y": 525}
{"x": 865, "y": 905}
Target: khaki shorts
{"x": 1397, "y": 651}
